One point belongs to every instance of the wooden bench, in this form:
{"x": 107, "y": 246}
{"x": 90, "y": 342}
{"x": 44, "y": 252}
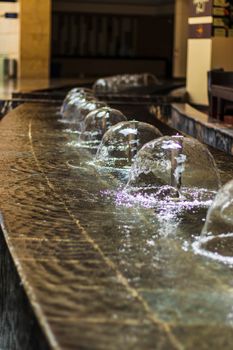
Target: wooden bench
{"x": 220, "y": 93}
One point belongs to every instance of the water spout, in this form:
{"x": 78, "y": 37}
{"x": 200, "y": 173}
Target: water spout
{"x": 177, "y": 162}
{"x": 132, "y": 141}
{"x": 122, "y": 141}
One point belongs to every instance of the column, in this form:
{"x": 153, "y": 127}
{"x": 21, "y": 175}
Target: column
{"x": 210, "y": 44}
{"x": 180, "y": 38}
{"x": 35, "y": 24}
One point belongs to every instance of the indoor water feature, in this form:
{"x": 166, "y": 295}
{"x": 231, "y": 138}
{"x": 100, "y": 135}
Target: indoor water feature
{"x": 216, "y": 240}
{"x": 78, "y": 90}
{"x": 73, "y": 97}
{"x": 122, "y": 141}
{"x": 76, "y": 109}
{"x": 173, "y": 179}
{"x": 97, "y": 122}
{"x": 83, "y": 109}
{"x": 73, "y": 112}
{"x": 125, "y": 82}
{"x": 130, "y": 266}
{"x": 119, "y": 227}
{"x": 145, "y": 226}
{"x": 178, "y": 161}
{"x": 152, "y": 244}
{"x": 220, "y": 215}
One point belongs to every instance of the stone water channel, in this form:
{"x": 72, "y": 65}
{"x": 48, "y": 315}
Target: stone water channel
{"x": 100, "y": 270}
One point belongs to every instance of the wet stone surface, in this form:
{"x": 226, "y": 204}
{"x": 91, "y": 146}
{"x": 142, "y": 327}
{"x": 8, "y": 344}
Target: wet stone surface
{"x": 101, "y": 274}
{"x": 221, "y": 245}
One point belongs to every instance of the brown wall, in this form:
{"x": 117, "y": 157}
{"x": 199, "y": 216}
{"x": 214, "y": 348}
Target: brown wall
{"x": 148, "y": 32}
{"x": 155, "y": 36}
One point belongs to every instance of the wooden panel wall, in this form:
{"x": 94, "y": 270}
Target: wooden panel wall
{"x": 94, "y": 39}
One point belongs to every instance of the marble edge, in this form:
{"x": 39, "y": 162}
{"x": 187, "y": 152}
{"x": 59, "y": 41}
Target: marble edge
{"x": 194, "y": 116}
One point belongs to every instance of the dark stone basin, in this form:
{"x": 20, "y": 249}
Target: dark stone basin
{"x": 98, "y": 274}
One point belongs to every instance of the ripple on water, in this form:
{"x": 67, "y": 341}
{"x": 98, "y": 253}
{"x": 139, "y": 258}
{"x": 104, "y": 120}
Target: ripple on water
{"x": 164, "y": 196}
{"x": 216, "y": 247}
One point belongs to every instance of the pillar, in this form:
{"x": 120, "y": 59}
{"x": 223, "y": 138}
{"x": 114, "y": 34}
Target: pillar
{"x": 34, "y": 38}
{"x": 210, "y": 44}
{"x": 180, "y": 38}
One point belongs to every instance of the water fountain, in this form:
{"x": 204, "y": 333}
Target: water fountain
{"x": 122, "y": 263}
{"x": 73, "y": 97}
{"x": 78, "y": 108}
{"x": 216, "y": 241}
{"x": 77, "y": 90}
{"x": 220, "y": 215}
{"x": 172, "y": 161}
{"x": 124, "y": 82}
{"x": 176, "y": 176}
{"x": 122, "y": 141}
{"x": 83, "y": 109}
{"x": 98, "y": 122}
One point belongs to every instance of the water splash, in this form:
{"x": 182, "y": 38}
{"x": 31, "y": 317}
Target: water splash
{"x": 122, "y": 141}
{"x": 124, "y": 82}
{"x": 220, "y": 215}
{"x": 97, "y": 123}
{"x": 73, "y": 95}
{"x": 174, "y": 161}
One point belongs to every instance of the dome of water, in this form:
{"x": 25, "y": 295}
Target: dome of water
{"x": 71, "y": 102}
{"x": 78, "y": 109}
{"x": 83, "y": 109}
{"x": 216, "y": 240}
{"x": 122, "y": 141}
{"x": 99, "y": 121}
{"x": 78, "y": 90}
{"x": 119, "y": 83}
{"x": 220, "y": 215}
{"x": 178, "y": 161}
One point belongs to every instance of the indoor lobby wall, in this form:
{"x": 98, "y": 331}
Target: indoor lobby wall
{"x": 25, "y": 38}
{"x": 9, "y": 34}
{"x": 198, "y": 62}
{"x": 210, "y": 44}
{"x": 222, "y": 56}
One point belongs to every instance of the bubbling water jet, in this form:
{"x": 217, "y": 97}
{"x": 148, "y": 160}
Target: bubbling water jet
{"x": 219, "y": 218}
{"x": 73, "y": 97}
{"x": 78, "y": 90}
{"x": 84, "y": 109}
{"x": 216, "y": 240}
{"x": 124, "y": 82}
{"x": 122, "y": 141}
{"x": 97, "y": 122}
{"x": 79, "y": 109}
{"x": 178, "y": 161}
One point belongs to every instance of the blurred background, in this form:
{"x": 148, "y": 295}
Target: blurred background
{"x": 91, "y": 38}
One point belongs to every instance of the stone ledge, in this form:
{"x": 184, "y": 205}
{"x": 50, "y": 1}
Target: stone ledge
{"x": 191, "y": 121}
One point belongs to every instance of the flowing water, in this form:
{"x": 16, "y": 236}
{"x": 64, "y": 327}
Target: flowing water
{"x": 155, "y": 242}
{"x": 151, "y": 240}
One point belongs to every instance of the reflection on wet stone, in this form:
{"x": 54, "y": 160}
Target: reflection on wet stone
{"x": 102, "y": 274}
